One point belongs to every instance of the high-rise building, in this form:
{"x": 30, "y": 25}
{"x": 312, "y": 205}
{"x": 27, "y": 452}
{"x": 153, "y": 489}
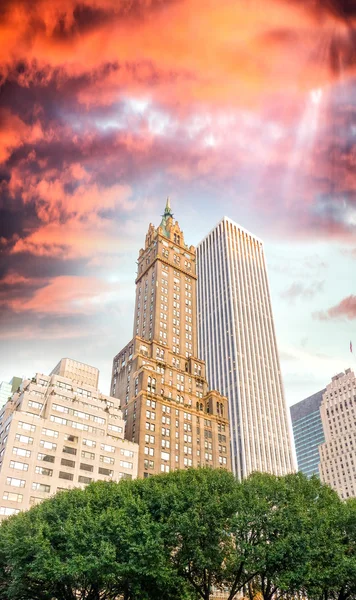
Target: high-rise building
{"x": 308, "y": 433}
{"x": 169, "y": 409}
{"x": 57, "y": 434}
{"x": 238, "y": 342}
{"x": 338, "y": 452}
{"x": 8, "y": 388}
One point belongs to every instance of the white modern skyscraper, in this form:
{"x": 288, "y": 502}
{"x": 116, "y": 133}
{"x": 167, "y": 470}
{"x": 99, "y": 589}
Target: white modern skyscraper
{"x": 238, "y": 342}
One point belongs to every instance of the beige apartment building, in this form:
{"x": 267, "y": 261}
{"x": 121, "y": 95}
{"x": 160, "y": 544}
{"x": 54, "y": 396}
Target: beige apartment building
{"x": 58, "y": 432}
{"x": 168, "y": 407}
{"x": 338, "y": 453}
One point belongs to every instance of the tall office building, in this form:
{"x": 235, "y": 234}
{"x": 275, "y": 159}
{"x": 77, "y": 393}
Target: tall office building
{"x": 8, "y": 388}
{"x": 238, "y": 342}
{"x": 338, "y": 452}
{"x": 169, "y": 409}
{"x": 57, "y": 433}
{"x": 308, "y": 433}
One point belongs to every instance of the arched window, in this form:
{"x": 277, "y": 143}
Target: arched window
{"x": 218, "y": 407}
{"x": 221, "y": 409}
{"x": 201, "y": 406}
{"x": 197, "y": 405}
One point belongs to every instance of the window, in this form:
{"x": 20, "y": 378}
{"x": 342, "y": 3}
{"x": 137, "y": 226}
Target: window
{"x": 89, "y": 443}
{"x": 18, "y": 465}
{"x": 49, "y": 432}
{"x": 107, "y": 448}
{"x": 115, "y": 428}
{"x": 67, "y": 463}
{"x": 12, "y": 497}
{"x": 45, "y": 457}
{"x": 48, "y": 445}
{"x": 65, "y": 475}
{"x": 33, "y": 404}
{"x": 107, "y": 459}
{"x": 128, "y": 453}
{"x": 24, "y": 439}
{"x": 126, "y": 464}
{"x": 5, "y": 510}
{"x": 15, "y": 482}
{"x": 86, "y": 454}
{"x": 27, "y": 426}
{"x": 41, "y": 487}
{"x": 86, "y": 467}
{"x": 21, "y": 452}
{"x": 165, "y": 455}
{"x": 83, "y": 479}
{"x": 107, "y": 472}
{"x": 44, "y": 471}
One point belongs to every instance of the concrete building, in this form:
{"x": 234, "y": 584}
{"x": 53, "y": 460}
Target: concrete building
{"x": 56, "y": 434}
{"x": 338, "y": 452}
{"x": 308, "y": 433}
{"x": 67, "y": 367}
{"x": 238, "y": 342}
{"x": 169, "y": 409}
{"x": 8, "y": 388}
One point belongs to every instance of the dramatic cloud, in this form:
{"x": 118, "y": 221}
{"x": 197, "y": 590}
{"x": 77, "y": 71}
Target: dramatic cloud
{"x": 346, "y": 309}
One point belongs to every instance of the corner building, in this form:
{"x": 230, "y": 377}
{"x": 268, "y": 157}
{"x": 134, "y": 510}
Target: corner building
{"x": 168, "y": 407}
{"x": 237, "y": 339}
{"x": 58, "y": 433}
{"x": 338, "y": 453}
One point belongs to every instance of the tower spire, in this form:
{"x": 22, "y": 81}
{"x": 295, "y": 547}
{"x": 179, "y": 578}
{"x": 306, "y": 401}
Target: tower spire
{"x": 168, "y": 210}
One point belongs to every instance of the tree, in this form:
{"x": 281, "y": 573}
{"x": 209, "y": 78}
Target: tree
{"x": 195, "y": 508}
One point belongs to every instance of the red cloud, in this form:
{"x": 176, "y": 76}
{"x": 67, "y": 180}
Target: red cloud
{"x": 345, "y": 309}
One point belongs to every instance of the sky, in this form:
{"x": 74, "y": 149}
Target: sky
{"x": 240, "y": 108}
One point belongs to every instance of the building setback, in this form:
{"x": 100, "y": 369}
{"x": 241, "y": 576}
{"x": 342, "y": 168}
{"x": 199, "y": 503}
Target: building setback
{"x": 338, "y": 452}
{"x": 57, "y": 433}
{"x": 238, "y": 342}
{"x": 8, "y": 388}
{"x": 308, "y": 433}
{"x": 169, "y": 409}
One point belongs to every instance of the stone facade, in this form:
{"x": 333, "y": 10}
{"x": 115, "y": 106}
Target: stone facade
{"x": 338, "y": 453}
{"x": 169, "y": 410}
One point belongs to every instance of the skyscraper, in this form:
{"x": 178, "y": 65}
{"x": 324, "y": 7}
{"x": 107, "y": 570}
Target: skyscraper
{"x": 158, "y": 378}
{"x": 338, "y": 452}
{"x": 238, "y": 342}
{"x": 308, "y": 433}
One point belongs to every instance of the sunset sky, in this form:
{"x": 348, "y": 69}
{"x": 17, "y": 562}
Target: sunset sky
{"x": 243, "y": 108}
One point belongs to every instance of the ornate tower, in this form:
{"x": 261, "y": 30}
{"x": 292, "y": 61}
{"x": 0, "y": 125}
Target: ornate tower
{"x": 160, "y": 382}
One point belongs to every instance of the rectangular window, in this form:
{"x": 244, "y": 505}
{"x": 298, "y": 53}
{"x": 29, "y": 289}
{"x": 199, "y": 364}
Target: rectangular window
{"x": 27, "y": 426}
{"x": 107, "y": 472}
{"x": 48, "y": 445}
{"x": 89, "y": 443}
{"x": 126, "y": 464}
{"x": 12, "y": 497}
{"x": 85, "y": 467}
{"x": 107, "y": 459}
{"x": 14, "y": 464}
{"x": 45, "y": 457}
{"x": 21, "y": 452}
{"x": 69, "y": 450}
{"x": 68, "y": 463}
{"x": 15, "y": 482}
{"x": 4, "y": 510}
{"x": 83, "y": 479}
{"x": 86, "y": 454}
{"x": 41, "y": 487}
{"x": 127, "y": 453}
{"x": 24, "y": 439}
{"x": 50, "y": 432}
{"x": 65, "y": 475}
{"x": 44, "y": 471}
{"x": 107, "y": 448}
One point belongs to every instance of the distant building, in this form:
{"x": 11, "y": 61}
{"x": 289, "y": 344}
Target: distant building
{"x": 8, "y": 388}
{"x": 67, "y": 367}
{"x": 55, "y": 434}
{"x": 308, "y": 433}
{"x": 338, "y": 452}
{"x": 169, "y": 408}
{"x": 238, "y": 342}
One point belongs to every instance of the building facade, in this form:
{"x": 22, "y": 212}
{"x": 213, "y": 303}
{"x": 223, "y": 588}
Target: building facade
{"x": 8, "y": 388}
{"x": 56, "y": 434}
{"x": 238, "y": 342}
{"x": 77, "y": 371}
{"x": 338, "y": 452}
{"x": 169, "y": 410}
{"x": 308, "y": 433}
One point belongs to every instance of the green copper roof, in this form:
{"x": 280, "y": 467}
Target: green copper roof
{"x": 167, "y": 213}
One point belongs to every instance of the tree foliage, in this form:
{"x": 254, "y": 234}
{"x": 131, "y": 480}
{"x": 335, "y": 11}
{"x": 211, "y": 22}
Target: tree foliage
{"x": 182, "y": 536}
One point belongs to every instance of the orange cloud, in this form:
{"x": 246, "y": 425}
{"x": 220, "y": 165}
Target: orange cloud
{"x": 345, "y": 309}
